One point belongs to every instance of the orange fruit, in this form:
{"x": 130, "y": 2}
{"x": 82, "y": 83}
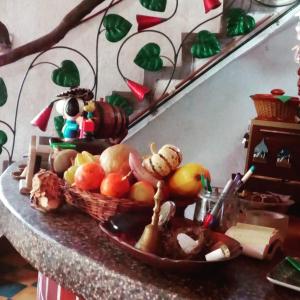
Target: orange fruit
{"x": 89, "y": 176}
{"x": 115, "y": 185}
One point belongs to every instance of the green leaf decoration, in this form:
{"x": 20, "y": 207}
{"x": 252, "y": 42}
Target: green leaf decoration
{"x": 3, "y": 138}
{"x": 284, "y": 99}
{"x": 67, "y": 75}
{"x": 3, "y": 92}
{"x": 149, "y": 58}
{"x": 239, "y": 23}
{"x": 207, "y": 45}
{"x": 59, "y": 123}
{"x": 154, "y": 5}
{"x": 116, "y": 27}
{"x": 0, "y": 150}
{"x": 121, "y": 102}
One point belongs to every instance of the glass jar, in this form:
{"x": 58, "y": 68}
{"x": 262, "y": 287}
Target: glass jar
{"x": 228, "y": 214}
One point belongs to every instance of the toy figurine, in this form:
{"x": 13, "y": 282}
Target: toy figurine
{"x": 71, "y": 107}
{"x": 84, "y": 118}
{"x": 260, "y": 152}
{"x": 283, "y": 158}
{"x": 87, "y": 125}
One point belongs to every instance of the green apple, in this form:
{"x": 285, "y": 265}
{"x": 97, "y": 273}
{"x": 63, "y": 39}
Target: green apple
{"x": 142, "y": 191}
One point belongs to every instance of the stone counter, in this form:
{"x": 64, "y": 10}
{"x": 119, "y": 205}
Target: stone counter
{"x": 68, "y": 247}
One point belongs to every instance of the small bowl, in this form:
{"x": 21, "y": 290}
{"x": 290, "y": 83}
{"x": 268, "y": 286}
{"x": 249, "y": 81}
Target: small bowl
{"x": 280, "y": 207}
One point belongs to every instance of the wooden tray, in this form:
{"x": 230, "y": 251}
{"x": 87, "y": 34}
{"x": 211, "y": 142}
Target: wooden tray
{"x": 127, "y": 240}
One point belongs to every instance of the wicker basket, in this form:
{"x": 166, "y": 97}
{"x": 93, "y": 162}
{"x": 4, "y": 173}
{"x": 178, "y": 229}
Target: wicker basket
{"x": 268, "y": 107}
{"x": 101, "y": 207}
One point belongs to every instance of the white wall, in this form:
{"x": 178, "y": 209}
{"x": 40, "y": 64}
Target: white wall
{"x": 208, "y": 124}
{"x": 29, "y": 19}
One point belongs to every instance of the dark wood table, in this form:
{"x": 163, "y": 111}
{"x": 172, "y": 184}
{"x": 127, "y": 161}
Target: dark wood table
{"x": 68, "y": 247}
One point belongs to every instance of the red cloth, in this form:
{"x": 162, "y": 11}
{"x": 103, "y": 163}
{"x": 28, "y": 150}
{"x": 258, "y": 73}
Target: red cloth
{"x": 48, "y": 289}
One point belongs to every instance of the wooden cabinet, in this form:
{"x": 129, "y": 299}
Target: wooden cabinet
{"x": 271, "y": 174}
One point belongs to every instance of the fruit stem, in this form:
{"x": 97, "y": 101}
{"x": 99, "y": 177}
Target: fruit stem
{"x": 127, "y": 176}
{"x": 198, "y": 177}
{"x": 153, "y": 148}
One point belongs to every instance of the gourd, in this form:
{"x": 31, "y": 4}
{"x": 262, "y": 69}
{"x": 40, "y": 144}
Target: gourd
{"x": 161, "y": 163}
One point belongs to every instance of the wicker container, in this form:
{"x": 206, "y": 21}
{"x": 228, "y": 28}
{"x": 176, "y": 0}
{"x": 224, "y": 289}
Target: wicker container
{"x": 102, "y": 207}
{"x": 269, "y": 107}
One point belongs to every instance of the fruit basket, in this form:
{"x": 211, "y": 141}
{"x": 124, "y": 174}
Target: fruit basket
{"x": 103, "y": 207}
{"x": 275, "y": 106}
{"x": 116, "y": 182}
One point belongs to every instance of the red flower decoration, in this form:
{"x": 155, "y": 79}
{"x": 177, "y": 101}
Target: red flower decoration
{"x": 137, "y": 89}
{"x": 145, "y": 22}
{"x": 41, "y": 120}
{"x": 211, "y": 4}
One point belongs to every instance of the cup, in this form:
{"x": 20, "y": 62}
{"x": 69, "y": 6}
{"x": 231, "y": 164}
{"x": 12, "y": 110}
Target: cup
{"x": 229, "y": 211}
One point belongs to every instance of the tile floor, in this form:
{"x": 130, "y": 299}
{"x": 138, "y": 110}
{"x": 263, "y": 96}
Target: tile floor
{"x": 18, "y": 280}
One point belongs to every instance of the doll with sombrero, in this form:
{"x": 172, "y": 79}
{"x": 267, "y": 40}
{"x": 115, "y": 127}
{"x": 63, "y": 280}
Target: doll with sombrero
{"x": 86, "y": 122}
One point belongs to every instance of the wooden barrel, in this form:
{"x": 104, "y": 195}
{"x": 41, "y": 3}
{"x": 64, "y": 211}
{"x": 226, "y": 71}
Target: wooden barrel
{"x": 110, "y": 121}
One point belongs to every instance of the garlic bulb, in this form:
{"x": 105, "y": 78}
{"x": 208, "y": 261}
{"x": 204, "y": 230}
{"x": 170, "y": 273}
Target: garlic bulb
{"x": 47, "y": 193}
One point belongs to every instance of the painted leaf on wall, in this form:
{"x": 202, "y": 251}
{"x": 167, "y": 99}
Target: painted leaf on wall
{"x": 154, "y": 5}
{"x": 67, "y": 75}
{"x": 59, "y": 123}
{"x": 3, "y": 92}
{"x": 207, "y": 45}
{"x": 3, "y": 138}
{"x": 119, "y": 101}
{"x": 116, "y": 27}
{"x": 239, "y": 23}
{"x": 149, "y": 58}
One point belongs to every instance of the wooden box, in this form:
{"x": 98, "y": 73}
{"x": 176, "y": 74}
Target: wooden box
{"x": 271, "y": 175}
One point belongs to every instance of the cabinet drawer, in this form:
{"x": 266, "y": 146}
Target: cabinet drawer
{"x": 276, "y": 140}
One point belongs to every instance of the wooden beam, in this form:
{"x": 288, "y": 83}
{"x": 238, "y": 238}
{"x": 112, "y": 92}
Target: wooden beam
{"x": 70, "y": 21}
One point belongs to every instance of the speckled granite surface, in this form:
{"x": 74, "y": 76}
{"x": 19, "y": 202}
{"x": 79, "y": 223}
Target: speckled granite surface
{"x": 68, "y": 247}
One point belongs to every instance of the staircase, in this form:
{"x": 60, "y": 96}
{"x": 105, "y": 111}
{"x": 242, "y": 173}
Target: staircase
{"x": 189, "y": 14}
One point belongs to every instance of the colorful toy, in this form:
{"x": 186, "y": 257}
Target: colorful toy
{"x": 84, "y": 118}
